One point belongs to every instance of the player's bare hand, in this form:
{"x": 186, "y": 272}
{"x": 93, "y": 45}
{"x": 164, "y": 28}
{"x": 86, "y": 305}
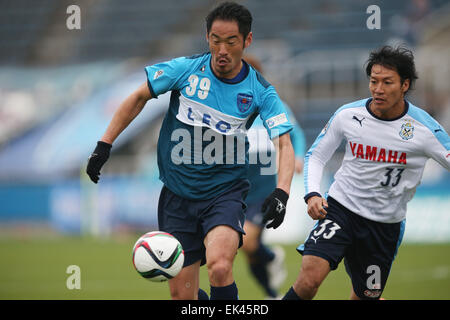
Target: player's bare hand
{"x": 317, "y": 207}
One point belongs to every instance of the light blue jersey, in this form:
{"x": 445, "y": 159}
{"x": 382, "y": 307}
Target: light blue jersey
{"x": 202, "y": 146}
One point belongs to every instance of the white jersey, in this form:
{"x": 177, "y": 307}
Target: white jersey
{"x": 383, "y": 162}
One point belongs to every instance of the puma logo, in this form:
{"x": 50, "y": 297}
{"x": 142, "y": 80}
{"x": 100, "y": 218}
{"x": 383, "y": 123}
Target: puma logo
{"x": 360, "y": 121}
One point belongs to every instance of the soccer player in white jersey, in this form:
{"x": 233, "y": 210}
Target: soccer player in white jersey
{"x": 203, "y": 149}
{"x": 388, "y": 141}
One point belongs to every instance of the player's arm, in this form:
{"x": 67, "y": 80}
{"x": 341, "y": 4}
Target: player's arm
{"x": 286, "y": 162}
{"x": 127, "y": 111}
{"x": 315, "y": 160}
{"x": 275, "y": 119}
{"x": 438, "y": 146}
{"x": 161, "y": 78}
{"x": 274, "y": 206}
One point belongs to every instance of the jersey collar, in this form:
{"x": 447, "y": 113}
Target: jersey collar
{"x": 376, "y": 117}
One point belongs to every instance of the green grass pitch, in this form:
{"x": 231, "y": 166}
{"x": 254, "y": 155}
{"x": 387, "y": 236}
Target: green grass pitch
{"x": 35, "y": 268}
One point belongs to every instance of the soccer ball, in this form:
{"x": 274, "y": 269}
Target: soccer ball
{"x": 158, "y": 256}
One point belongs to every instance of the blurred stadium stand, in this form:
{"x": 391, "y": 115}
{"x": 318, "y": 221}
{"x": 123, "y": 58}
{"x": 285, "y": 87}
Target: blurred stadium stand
{"x": 59, "y": 87}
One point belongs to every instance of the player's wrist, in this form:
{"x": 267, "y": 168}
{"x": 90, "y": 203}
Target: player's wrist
{"x": 103, "y": 148}
{"x": 104, "y": 145}
{"x": 310, "y": 195}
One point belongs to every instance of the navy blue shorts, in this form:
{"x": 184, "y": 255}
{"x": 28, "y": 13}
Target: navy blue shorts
{"x": 190, "y": 220}
{"x": 254, "y": 213}
{"x": 368, "y": 247}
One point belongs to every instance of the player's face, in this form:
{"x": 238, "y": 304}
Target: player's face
{"x": 227, "y": 48}
{"x": 388, "y": 92}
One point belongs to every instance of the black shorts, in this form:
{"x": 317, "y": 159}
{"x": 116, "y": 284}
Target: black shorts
{"x": 190, "y": 220}
{"x": 368, "y": 247}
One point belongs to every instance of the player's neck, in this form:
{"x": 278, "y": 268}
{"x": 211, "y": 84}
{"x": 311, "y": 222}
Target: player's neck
{"x": 242, "y": 73}
{"x": 390, "y": 113}
{"x": 229, "y": 75}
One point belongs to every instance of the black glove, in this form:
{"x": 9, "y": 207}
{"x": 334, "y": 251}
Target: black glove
{"x": 97, "y": 159}
{"x": 274, "y": 208}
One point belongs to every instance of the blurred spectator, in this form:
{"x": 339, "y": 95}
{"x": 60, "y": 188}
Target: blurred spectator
{"x": 16, "y": 111}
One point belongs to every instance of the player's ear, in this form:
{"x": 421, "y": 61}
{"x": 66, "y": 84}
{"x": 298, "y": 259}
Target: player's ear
{"x": 405, "y": 85}
{"x": 248, "y": 40}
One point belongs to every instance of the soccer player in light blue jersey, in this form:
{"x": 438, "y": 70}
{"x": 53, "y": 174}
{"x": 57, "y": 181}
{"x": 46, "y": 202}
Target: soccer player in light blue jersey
{"x": 266, "y": 263}
{"x": 203, "y": 149}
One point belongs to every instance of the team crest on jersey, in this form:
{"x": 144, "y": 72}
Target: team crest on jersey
{"x": 407, "y": 131}
{"x": 244, "y": 101}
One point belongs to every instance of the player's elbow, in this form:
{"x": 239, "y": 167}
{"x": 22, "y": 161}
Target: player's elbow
{"x": 285, "y": 141}
{"x": 142, "y": 94}
{"x": 286, "y": 149}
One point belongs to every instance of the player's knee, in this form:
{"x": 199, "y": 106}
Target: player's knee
{"x": 308, "y": 281}
{"x": 219, "y": 270}
{"x": 306, "y": 287}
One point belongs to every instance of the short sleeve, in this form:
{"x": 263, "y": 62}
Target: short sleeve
{"x": 273, "y": 113}
{"x": 167, "y": 76}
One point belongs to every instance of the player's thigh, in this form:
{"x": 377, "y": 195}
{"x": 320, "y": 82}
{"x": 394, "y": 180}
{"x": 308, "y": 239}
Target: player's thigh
{"x": 221, "y": 242}
{"x": 222, "y": 226}
{"x": 185, "y": 285}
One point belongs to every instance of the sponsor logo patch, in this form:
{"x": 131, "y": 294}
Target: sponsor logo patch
{"x": 277, "y": 120}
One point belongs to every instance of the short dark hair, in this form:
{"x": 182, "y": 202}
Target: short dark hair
{"x": 399, "y": 59}
{"x": 231, "y": 11}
